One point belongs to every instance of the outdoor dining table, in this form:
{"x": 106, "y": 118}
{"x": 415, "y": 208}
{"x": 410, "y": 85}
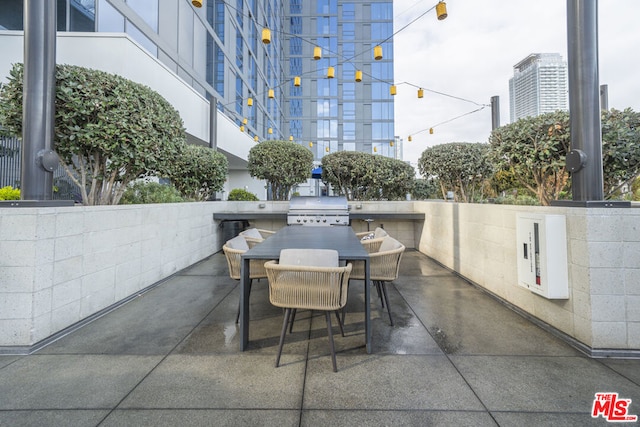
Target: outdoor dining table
{"x": 341, "y": 238}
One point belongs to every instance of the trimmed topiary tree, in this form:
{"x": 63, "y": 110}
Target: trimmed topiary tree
{"x": 109, "y": 131}
{"x": 364, "y": 176}
{"x": 198, "y": 172}
{"x": 459, "y": 166}
{"x": 282, "y": 164}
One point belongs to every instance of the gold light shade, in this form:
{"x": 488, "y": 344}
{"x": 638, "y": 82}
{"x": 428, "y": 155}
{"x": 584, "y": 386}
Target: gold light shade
{"x": 290, "y": 137}
{"x": 296, "y": 81}
{"x": 266, "y": 36}
{"x": 358, "y": 75}
{"x": 244, "y": 121}
{"x": 317, "y": 53}
{"x": 326, "y": 149}
{"x": 409, "y": 139}
{"x": 390, "y": 143}
{"x": 241, "y": 128}
{"x": 255, "y": 138}
{"x": 375, "y": 149}
{"x": 377, "y": 53}
{"x": 431, "y": 131}
{"x": 393, "y": 90}
{"x": 311, "y": 144}
{"x": 271, "y": 93}
{"x": 196, "y": 3}
{"x": 331, "y": 72}
{"x": 441, "y": 10}
{"x": 270, "y": 131}
{"x": 420, "y": 93}
{"x": 250, "y": 102}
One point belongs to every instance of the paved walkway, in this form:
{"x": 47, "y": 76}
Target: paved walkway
{"x": 170, "y": 357}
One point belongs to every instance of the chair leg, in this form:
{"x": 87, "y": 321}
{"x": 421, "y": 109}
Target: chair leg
{"x": 375, "y": 282}
{"x": 330, "y": 333}
{"x": 293, "y": 318}
{"x": 339, "y": 322}
{"x": 383, "y": 285}
{"x": 238, "y": 314}
{"x": 285, "y": 323}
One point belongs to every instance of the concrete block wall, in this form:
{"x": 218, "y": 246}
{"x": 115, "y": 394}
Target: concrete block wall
{"x": 61, "y": 265}
{"x": 603, "y": 248}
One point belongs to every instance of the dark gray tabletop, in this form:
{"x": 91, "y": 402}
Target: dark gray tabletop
{"x": 340, "y": 238}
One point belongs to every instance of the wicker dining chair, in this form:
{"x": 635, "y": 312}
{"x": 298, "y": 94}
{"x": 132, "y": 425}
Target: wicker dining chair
{"x": 384, "y": 266}
{"x": 256, "y": 235}
{"x": 233, "y": 250}
{"x": 308, "y": 279}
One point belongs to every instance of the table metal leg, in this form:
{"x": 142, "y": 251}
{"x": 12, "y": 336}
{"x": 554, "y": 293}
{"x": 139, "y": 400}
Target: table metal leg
{"x": 244, "y": 305}
{"x": 367, "y": 304}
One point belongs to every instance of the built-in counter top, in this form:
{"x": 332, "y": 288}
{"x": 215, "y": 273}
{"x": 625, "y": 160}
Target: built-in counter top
{"x": 236, "y": 216}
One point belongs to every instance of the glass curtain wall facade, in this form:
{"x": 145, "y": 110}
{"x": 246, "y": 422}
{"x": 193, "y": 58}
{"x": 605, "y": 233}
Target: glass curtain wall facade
{"x": 336, "y": 114}
{"x": 218, "y": 50}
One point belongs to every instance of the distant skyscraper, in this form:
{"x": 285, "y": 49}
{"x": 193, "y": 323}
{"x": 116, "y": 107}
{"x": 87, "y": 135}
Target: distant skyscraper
{"x": 539, "y": 85}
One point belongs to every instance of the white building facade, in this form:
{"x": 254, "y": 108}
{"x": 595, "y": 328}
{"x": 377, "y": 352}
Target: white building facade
{"x": 539, "y": 85}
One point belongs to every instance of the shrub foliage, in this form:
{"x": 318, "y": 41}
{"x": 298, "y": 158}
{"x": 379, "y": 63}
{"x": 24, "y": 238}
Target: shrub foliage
{"x": 109, "y": 131}
{"x": 282, "y": 164}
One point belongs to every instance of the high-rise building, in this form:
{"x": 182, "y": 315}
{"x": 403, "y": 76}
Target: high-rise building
{"x": 539, "y": 85}
{"x": 340, "y": 113}
{"x": 217, "y": 52}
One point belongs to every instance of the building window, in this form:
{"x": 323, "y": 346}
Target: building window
{"x": 145, "y": 9}
{"x": 109, "y": 19}
{"x": 348, "y": 11}
{"x": 381, "y": 11}
{"x": 82, "y": 16}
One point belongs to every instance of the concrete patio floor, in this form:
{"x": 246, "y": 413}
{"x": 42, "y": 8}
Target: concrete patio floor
{"x": 455, "y": 357}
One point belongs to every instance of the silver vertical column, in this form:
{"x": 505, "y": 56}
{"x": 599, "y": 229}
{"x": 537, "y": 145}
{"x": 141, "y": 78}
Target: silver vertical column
{"x": 495, "y": 112}
{"x": 213, "y": 122}
{"x": 38, "y": 159}
{"x": 585, "y": 158}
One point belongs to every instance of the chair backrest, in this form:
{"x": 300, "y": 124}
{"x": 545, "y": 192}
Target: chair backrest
{"x": 379, "y": 232}
{"x": 252, "y": 233}
{"x": 389, "y": 243}
{"x": 310, "y": 257}
{"x": 238, "y": 243}
{"x": 308, "y": 279}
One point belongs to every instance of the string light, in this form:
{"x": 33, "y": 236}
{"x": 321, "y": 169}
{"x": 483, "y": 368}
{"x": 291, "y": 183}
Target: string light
{"x": 266, "y": 36}
{"x": 196, "y": 3}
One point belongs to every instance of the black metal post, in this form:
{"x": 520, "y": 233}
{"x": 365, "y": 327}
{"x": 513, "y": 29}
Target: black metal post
{"x": 495, "y": 112}
{"x": 585, "y": 159}
{"x": 38, "y": 160}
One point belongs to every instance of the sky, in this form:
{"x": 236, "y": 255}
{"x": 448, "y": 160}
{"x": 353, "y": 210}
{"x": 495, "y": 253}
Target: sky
{"x": 471, "y": 54}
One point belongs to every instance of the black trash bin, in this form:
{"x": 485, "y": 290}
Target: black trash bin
{"x": 231, "y": 228}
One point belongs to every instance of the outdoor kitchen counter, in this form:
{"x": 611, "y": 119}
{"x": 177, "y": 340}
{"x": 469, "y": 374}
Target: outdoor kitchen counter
{"x": 353, "y": 214}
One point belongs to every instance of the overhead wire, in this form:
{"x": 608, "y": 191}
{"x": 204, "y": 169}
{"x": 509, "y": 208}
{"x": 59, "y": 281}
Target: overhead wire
{"x": 342, "y": 60}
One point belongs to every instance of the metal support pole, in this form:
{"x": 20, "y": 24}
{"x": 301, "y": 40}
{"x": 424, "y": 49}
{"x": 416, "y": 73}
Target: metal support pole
{"x": 585, "y": 159}
{"x": 38, "y": 160}
{"x": 495, "y": 112}
{"x": 213, "y": 122}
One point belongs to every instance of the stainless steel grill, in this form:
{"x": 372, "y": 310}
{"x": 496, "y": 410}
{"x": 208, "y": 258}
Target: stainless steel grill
{"x": 318, "y": 211}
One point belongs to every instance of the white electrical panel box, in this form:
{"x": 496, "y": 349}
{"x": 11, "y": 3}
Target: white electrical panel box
{"x": 542, "y": 254}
